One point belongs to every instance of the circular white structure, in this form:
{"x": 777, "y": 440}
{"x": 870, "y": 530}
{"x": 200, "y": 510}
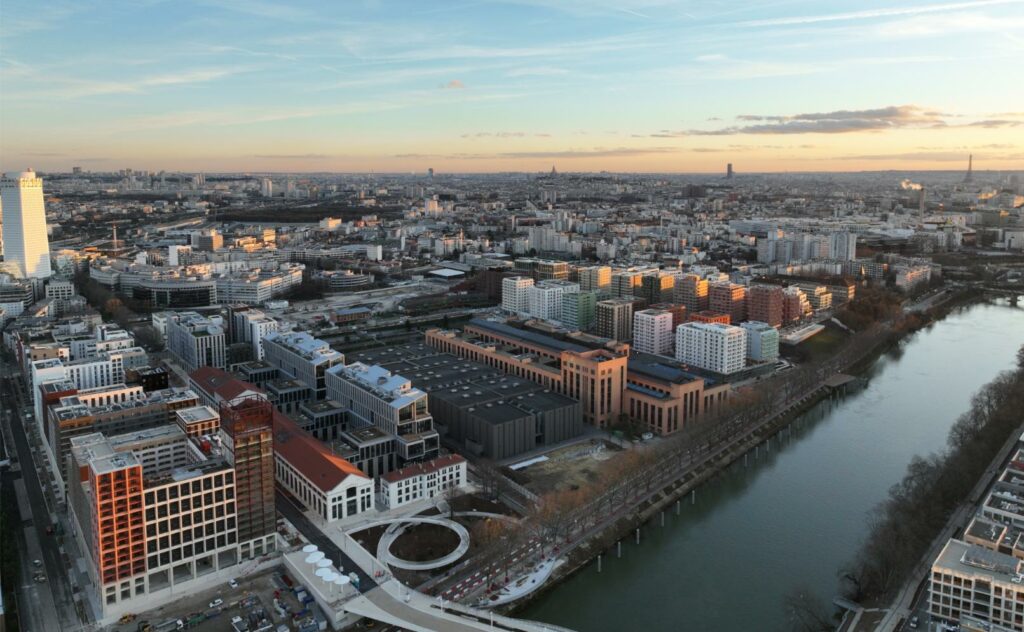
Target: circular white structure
{"x": 314, "y": 557}
{"x": 324, "y": 563}
{"x": 323, "y": 572}
{"x": 310, "y": 548}
{"x": 397, "y": 528}
{"x": 341, "y": 580}
{"x": 329, "y": 577}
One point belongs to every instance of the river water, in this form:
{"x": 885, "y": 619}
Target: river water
{"x": 790, "y": 519}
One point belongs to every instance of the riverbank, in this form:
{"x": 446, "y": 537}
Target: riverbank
{"x": 760, "y": 440}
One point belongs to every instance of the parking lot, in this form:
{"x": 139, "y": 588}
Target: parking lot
{"x": 253, "y": 593}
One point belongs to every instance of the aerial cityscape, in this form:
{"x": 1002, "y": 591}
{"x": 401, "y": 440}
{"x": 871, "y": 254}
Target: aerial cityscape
{"x": 512, "y": 315}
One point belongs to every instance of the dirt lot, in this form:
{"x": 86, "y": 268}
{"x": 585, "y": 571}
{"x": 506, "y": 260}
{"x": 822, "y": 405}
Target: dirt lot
{"x": 425, "y": 542}
{"x": 568, "y": 468}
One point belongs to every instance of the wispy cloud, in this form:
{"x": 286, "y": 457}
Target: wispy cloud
{"x": 293, "y": 156}
{"x": 931, "y": 156}
{"x": 454, "y": 84}
{"x": 72, "y": 88}
{"x": 870, "y": 14}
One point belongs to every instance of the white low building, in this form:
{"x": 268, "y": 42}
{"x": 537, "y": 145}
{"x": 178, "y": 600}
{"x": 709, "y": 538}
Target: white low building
{"x": 422, "y": 480}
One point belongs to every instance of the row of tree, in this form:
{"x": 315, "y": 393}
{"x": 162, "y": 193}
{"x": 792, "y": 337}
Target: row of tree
{"x": 917, "y": 508}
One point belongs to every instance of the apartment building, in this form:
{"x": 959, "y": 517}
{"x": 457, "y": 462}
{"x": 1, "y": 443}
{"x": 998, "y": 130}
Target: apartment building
{"x": 765, "y": 304}
{"x": 595, "y": 279}
{"x": 515, "y": 297}
{"x": 728, "y": 298}
{"x": 691, "y": 291}
{"x": 762, "y": 341}
{"x": 974, "y": 586}
{"x": 544, "y": 298}
{"x": 653, "y": 332}
{"x": 614, "y": 318}
{"x": 712, "y": 346}
{"x": 420, "y": 481}
{"x": 578, "y": 310}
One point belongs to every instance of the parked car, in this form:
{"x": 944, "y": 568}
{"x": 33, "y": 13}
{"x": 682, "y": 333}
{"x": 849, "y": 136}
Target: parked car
{"x": 37, "y": 563}
{"x": 233, "y": 583}
{"x": 913, "y": 622}
{"x": 216, "y": 603}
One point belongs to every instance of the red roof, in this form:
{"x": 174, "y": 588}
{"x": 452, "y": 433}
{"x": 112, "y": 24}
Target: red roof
{"x": 310, "y": 456}
{"x": 219, "y": 384}
{"x": 419, "y": 469}
{"x": 303, "y": 452}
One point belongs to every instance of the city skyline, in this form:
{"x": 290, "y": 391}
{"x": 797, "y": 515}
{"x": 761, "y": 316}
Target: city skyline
{"x": 639, "y": 85}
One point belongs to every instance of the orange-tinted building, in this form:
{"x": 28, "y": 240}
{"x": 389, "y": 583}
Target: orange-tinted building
{"x": 765, "y": 304}
{"x": 709, "y": 316}
{"x": 728, "y": 298}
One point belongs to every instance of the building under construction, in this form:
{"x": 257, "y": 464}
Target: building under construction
{"x": 248, "y": 426}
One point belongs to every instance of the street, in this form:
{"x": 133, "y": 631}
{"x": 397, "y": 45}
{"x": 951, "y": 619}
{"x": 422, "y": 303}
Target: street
{"x": 61, "y": 603}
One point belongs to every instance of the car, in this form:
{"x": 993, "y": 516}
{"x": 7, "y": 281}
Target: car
{"x": 233, "y": 583}
{"x": 216, "y": 603}
{"x": 37, "y": 563}
{"x": 40, "y": 578}
{"x": 913, "y": 622}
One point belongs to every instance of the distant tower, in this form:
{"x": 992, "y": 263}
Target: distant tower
{"x": 430, "y": 173}
{"x": 553, "y": 172}
{"x": 728, "y": 171}
{"x": 26, "y": 244}
{"x": 970, "y": 168}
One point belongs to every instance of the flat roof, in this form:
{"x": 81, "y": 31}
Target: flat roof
{"x": 529, "y": 336}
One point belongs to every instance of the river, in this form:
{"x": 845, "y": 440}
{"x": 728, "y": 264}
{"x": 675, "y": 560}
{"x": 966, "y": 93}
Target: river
{"x": 790, "y": 519}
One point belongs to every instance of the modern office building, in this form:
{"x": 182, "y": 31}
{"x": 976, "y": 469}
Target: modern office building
{"x": 515, "y": 295}
{"x": 376, "y": 397}
{"x": 712, "y": 346}
{"x": 665, "y": 398}
{"x": 196, "y": 341}
{"x": 303, "y": 358}
{"x": 653, "y": 332}
{"x": 762, "y": 341}
{"x": 728, "y": 298}
{"x": 593, "y": 376}
{"x": 25, "y": 239}
{"x": 479, "y": 406}
{"x": 155, "y": 513}
{"x": 765, "y": 304}
{"x": 578, "y": 310}
{"x": 615, "y": 319}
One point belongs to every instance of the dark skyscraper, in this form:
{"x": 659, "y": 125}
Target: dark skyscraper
{"x": 728, "y": 171}
{"x": 970, "y": 168}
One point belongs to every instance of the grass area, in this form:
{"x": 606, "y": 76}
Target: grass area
{"x": 819, "y": 347}
{"x": 568, "y": 468}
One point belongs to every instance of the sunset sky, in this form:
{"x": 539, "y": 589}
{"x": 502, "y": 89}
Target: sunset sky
{"x": 478, "y": 85}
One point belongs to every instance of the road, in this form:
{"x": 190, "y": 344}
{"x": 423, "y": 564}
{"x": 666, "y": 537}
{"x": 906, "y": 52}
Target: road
{"x": 287, "y": 508}
{"x": 53, "y": 561}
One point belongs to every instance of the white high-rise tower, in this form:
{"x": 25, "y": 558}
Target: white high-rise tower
{"x": 26, "y": 245}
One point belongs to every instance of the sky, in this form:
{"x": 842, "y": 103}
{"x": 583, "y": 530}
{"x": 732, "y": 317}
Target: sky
{"x": 516, "y": 85}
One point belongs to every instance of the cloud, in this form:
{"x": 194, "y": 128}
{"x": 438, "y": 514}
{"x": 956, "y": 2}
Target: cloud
{"x": 495, "y": 135}
{"x": 715, "y": 57}
{"x": 871, "y": 14}
{"x": 293, "y": 156}
{"x": 836, "y": 122}
{"x": 454, "y": 84}
{"x": 930, "y": 156}
{"x": 596, "y": 152}
{"x": 994, "y": 123}
{"x": 70, "y": 88}
{"x": 537, "y": 71}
